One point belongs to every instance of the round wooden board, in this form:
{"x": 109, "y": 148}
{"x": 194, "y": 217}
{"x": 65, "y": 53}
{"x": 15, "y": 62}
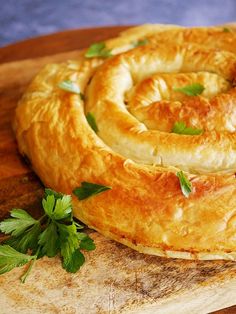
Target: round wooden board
{"x": 19, "y": 183}
{"x": 57, "y": 43}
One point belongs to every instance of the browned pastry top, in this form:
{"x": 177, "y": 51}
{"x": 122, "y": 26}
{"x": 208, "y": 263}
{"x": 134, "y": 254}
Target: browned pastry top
{"x": 133, "y": 98}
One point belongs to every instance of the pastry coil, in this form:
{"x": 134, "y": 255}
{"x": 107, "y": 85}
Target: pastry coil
{"x": 135, "y": 152}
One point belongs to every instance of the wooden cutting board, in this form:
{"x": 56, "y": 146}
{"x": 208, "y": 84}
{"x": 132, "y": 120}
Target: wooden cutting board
{"x": 114, "y": 279}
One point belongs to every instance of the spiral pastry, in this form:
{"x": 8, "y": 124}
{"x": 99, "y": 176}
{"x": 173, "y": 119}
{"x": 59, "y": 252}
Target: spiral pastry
{"x": 136, "y": 98}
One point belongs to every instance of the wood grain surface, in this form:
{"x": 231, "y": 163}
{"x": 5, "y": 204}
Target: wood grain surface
{"x": 114, "y": 279}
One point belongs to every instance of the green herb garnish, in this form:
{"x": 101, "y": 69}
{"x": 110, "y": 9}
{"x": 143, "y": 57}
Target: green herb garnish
{"x": 10, "y": 258}
{"x": 185, "y": 184}
{"x": 226, "y": 30}
{"x": 91, "y": 121}
{"x": 89, "y": 189}
{"x": 98, "y": 50}
{"x": 190, "y": 90}
{"x": 181, "y": 128}
{"x": 141, "y": 42}
{"x": 54, "y": 233}
{"x": 71, "y": 87}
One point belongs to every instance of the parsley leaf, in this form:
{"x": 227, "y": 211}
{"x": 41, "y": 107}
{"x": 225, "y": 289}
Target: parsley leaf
{"x": 68, "y": 238}
{"x": 190, "y": 90}
{"x": 69, "y": 244}
{"x": 57, "y": 209}
{"x": 226, "y": 30}
{"x": 81, "y": 236}
{"x": 91, "y": 121}
{"x": 181, "y": 128}
{"x": 185, "y": 184}
{"x": 71, "y": 87}
{"x": 48, "y": 240}
{"x": 89, "y": 189}
{"x": 63, "y": 207}
{"x": 74, "y": 261}
{"x": 10, "y": 258}
{"x": 87, "y": 244}
{"x": 140, "y": 42}
{"x": 48, "y": 205}
{"x": 98, "y": 50}
{"x": 27, "y": 240}
{"x": 18, "y": 224}
{"x": 78, "y": 226}
{"x": 51, "y": 192}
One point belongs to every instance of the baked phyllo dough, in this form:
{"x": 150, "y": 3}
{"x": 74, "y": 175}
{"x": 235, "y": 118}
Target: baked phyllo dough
{"x": 151, "y": 115}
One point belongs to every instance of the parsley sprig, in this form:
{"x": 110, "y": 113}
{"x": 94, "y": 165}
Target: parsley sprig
{"x": 190, "y": 90}
{"x": 71, "y": 87}
{"x": 91, "y": 121}
{"x": 185, "y": 184}
{"x": 10, "y": 258}
{"x": 140, "y": 42}
{"x": 54, "y": 233}
{"x": 98, "y": 50}
{"x": 88, "y": 189}
{"x": 226, "y": 30}
{"x": 181, "y": 128}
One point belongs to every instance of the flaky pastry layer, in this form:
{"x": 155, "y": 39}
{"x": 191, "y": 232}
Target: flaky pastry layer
{"x": 132, "y": 98}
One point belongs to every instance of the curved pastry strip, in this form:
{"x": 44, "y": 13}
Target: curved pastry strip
{"x": 213, "y": 37}
{"x": 145, "y": 208}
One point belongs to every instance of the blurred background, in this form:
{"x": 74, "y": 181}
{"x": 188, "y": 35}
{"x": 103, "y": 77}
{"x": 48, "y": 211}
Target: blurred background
{"x": 22, "y": 19}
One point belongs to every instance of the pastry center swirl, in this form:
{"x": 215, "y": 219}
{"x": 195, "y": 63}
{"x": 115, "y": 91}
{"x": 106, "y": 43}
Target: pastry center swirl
{"x": 138, "y": 91}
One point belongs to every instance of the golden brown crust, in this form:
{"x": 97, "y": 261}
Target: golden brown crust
{"x": 145, "y": 208}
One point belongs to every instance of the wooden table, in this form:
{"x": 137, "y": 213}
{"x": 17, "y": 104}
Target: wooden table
{"x": 115, "y": 279}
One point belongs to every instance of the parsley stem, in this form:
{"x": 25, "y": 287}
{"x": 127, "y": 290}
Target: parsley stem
{"x": 4, "y": 238}
{"x": 26, "y": 274}
{"x": 41, "y": 218}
